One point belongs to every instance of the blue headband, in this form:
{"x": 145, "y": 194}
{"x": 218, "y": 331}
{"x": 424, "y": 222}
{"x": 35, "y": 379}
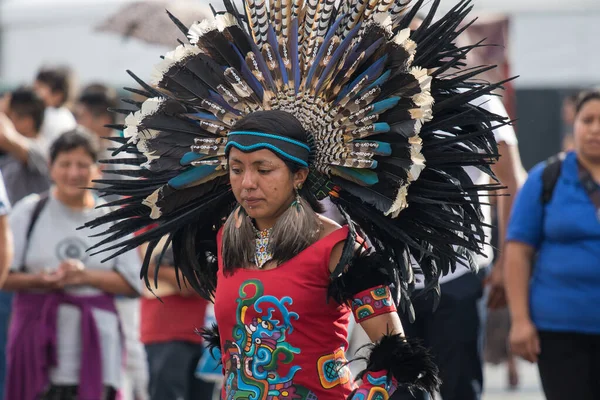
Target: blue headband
{"x": 289, "y": 149}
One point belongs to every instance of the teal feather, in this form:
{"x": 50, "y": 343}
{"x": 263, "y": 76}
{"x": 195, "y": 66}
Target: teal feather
{"x": 189, "y": 157}
{"x": 191, "y": 176}
{"x": 360, "y": 176}
{"x": 379, "y": 81}
{"x": 384, "y": 105}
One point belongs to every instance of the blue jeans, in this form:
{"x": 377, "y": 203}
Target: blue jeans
{"x": 454, "y": 333}
{"x": 5, "y": 307}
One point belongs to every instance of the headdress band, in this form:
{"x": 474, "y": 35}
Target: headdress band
{"x": 289, "y": 149}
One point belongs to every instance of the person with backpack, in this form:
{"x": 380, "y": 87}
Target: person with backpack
{"x": 65, "y": 341}
{"x": 553, "y": 264}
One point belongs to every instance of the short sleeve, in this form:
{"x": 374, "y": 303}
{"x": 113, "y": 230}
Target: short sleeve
{"x": 4, "y": 201}
{"x": 128, "y": 265}
{"x": 19, "y": 220}
{"x": 526, "y": 223}
{"x": 494, "y": 105}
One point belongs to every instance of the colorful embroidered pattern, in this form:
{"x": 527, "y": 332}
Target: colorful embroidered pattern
{"x": 262, "y": 256}
{"x": 333, "y": 370}
{"x": 372, "y": 302}
{"x": 259, "y": 345}
{"x": 375, "y": 386}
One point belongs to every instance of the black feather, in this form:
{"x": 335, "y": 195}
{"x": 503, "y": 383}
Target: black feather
{"x": 406, "y": 360}
{"x": 212, "y": 338}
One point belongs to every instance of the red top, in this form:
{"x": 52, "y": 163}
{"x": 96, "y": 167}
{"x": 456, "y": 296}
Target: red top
{"x": 176, "y": 318}
{"x": 280, "y": 337}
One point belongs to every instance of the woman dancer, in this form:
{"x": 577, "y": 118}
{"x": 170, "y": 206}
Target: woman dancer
{"x": 260, "y": 116}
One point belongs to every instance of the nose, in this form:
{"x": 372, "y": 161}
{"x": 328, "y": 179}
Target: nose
{"x": 73, "y": 172}
{"x": 249, "y": 180}
{"x": 595, "y": 128}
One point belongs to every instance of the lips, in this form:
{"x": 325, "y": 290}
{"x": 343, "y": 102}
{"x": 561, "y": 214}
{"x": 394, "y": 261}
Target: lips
{"x": 251, "y": 201}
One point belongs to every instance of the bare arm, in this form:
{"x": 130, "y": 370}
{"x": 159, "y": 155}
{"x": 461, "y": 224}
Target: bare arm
{"x": 13, "y": 142}
{"x": 166, "y": 274}
{"x": 6, "y": 248}
{"x": 507, "y": 170}
{"x": 17, "y": 281}
{"x": 523, "y": 338}
{"x": 518, "y": 260}
{"x": 107, "y": 281}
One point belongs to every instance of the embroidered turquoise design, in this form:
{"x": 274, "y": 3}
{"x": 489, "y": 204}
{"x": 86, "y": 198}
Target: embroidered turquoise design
{"x": 259, "y": 346}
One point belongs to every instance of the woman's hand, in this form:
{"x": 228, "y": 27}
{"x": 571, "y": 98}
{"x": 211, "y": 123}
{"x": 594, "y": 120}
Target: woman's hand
{"x": 49, "y": 280}
{"x": 524, "y": 340}
{"x": 74, "y": 272}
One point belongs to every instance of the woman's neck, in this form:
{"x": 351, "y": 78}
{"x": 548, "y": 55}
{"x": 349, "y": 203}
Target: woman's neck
{"x": 86, "y": 200}
{"x": 593, "y": 166}
{"x": 265, "y": 223}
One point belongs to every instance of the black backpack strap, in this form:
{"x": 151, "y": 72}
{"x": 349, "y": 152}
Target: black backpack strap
{"x": 550, "y": 176}
{"x": 37, "y": 210}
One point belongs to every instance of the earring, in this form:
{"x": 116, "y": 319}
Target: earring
{"x": 296, "y": 202}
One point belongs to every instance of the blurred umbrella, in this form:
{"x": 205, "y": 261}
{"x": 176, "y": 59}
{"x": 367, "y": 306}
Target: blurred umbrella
{"x": 148, "y": 20}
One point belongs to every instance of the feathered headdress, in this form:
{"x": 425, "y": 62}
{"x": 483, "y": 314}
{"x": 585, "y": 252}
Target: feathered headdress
{"x": 391, "y": 115}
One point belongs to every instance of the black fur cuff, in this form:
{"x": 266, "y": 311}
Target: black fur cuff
{"x": 405, "y": 360}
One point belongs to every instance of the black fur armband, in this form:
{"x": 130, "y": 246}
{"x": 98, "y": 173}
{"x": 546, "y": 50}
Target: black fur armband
{"x": 364, "y": 272}
{"x": 403, "y": 362}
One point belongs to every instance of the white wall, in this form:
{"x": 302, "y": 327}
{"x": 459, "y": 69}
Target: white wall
{"x": 552, "y": 42}
{"x": 556, "y": 49}
{"x": 35, "y": 32}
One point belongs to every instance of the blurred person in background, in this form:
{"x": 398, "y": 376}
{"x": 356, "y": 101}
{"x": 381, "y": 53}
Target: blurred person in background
{"x": 169, "y": 331}
{"x": 56, "y": 86}
{"x": 455, "y": 330}
{"x": 553, "y": 264}
{"x": 91, "y": 112}
{"x": 24, "y": 166}
{"x": 64, "y": 337}
{"x": 24, "y": 163}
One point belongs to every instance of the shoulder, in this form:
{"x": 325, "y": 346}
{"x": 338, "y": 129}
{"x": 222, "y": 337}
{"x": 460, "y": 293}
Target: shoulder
{"x": 26, "y": 204}
{"x": 22, "y": 212}
{"x": 329, "y": 226}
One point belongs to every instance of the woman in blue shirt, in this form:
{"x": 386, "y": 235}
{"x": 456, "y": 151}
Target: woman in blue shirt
{"x": 553, "y": 267}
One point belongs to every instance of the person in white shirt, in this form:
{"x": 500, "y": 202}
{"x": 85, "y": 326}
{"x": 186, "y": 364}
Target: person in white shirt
{"x": 454, "y": 330}
{"x": 56, "y": 87}
{"x": 91, "y": 112}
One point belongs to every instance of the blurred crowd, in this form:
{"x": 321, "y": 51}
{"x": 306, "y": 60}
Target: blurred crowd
{"x": 50, "y": 151}
{"x": 52, "y": 138}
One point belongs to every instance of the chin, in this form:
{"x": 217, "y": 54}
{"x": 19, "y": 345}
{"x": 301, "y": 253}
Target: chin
{"x": 592, "y": 154}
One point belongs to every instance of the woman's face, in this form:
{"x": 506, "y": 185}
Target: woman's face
{"x": 262, "y": 183}
{"x": 72, "y": 171}
{"x": 587, "y": 131}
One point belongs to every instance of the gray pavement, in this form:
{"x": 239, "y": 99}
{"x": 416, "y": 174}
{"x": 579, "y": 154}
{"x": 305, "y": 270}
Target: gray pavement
{"x": 495, "y": 383}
